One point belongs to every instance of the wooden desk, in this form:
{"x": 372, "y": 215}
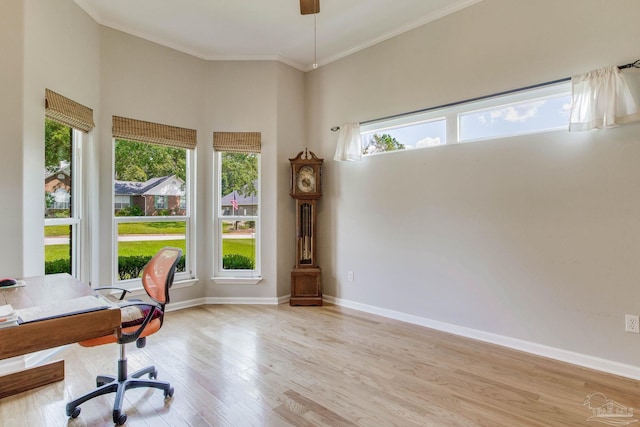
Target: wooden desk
{"x": 45, "y": 334}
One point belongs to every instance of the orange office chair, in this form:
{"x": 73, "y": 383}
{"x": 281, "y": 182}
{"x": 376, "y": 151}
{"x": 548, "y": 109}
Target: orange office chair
{"x": 139, "y": 319}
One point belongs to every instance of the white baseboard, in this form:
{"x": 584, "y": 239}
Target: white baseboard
{"x": 236, "y": 300}
{"x": 173, "y": 306}
{"x": 284, "y": 299}
{"x": 574, "y": 358}
{"x": 224, "y": 300}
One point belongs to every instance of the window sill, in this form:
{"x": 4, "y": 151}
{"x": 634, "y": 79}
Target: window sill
{"x": 236, "y": 280}
{"x": 139, "y": 290}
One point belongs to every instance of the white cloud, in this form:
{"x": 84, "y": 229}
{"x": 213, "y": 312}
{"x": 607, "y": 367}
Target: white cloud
{"x": 517, "y": 113}
{"x": 496, "y": 114}
{"x": 429, "y": 142}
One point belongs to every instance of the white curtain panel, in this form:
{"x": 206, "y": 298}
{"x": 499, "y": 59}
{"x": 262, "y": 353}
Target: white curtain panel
{"x": 601, "y": 99}
{"x": 349, "y": 143}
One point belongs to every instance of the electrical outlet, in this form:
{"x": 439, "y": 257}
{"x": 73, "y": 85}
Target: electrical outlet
{"x": 350, "y": 276}
{"x": 632, "y": 323}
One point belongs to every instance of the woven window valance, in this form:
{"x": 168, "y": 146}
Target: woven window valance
{"x": 68, "y": 112}
{"x": 154, "y": 133}
{"x": 237, "y": 142}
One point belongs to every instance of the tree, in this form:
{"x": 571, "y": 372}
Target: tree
{"x": 140, "y": 161}
{"x": 49, "y": 200}
{"x": 57, "y": 145}
{"x": 240, "y": 173}
{"x": 382, "y": 143}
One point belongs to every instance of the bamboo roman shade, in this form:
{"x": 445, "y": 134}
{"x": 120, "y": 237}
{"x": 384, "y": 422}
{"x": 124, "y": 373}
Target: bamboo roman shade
{"x": 154, "y": 133}
{"x": 237, "y": 142}
{"x": 68, "y": 112}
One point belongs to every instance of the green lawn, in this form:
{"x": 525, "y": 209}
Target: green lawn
{"x": 54, "y": 252}
{"x": 178, "y": 227}
{"x": 149, "y": 248}
{"x": 239, "y": 246}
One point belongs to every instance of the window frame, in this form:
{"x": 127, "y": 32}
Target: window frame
{"x": 220, "y": 275}
{"x": 75, "y": 219}
{"x": 528, "y": 96}
{"x": 64, "y": 205}
{"x": 128, "y": 203}
{"x": 451, "y": 114}
{"x": 188, "y": 218}
{"x": 156, "y": 202}
{"x": 404, "y": 122}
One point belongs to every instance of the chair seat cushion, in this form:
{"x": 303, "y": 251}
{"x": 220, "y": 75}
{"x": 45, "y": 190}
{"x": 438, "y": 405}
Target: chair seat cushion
{"x": 131, "y": 318}
{"x": 152, "y": 327}
{"x": 133, "y": 315}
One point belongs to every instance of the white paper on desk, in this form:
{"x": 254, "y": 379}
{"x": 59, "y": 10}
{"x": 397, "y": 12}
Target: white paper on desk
{"x": 6, "y": 310}
{"x": 62, "y": 309}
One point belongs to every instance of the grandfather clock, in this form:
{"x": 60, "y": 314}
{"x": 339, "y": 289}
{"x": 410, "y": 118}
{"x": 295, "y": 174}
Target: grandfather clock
{"x": 306, "y": 189}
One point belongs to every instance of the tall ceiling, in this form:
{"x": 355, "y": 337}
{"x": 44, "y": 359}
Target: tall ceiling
{"x": 268, "y": 29}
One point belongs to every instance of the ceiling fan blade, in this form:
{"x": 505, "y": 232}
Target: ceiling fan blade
{"x": 308, "y": 7}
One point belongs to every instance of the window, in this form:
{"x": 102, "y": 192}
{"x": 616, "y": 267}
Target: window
{"x": 237, "y": 198}
{"x": 161, "y": 202}
{"x": 121, "y": 202}
{"x": 518, "y": 118}
{"x": 413, "y": 134}
{"x": 151, "y": 196}
{"x": 65, "y": 122}
{"x": 62, "y": 198}
{"x": 525, "y": 112}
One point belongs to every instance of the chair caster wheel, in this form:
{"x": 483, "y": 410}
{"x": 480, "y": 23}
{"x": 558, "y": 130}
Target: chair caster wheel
{"x": 74, "y": 413}
{"x": 119, "y": 418}
{"x": 168, "y": 393}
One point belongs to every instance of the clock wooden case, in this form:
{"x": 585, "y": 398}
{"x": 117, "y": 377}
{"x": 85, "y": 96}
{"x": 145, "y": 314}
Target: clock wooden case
{"x": 306, "y": 189}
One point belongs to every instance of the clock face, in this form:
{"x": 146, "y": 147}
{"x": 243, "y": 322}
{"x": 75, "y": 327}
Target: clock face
{"x": 306, "y": 181}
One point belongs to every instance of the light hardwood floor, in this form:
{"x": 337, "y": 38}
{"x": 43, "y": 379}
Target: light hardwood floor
{"x": 321, "y": 366}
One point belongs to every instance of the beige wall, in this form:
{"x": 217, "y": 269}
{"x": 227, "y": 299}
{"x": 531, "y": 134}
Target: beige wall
{"x": 146, "y": 81}
{"x": 11, "y": 114}
{"x": 241, "y": 97}
{"x": 531, "y": 238}
{"x": 61, "y": 52}
{"x": 291, "y": 140}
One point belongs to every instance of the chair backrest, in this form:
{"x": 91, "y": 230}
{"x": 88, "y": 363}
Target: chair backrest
{"x": 157, "y": 276}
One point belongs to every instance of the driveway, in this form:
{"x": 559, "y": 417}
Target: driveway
{"x": 142, "y": 237}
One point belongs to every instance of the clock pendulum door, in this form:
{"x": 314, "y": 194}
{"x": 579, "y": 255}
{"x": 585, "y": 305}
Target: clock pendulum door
{"x": 305, "y": 277}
